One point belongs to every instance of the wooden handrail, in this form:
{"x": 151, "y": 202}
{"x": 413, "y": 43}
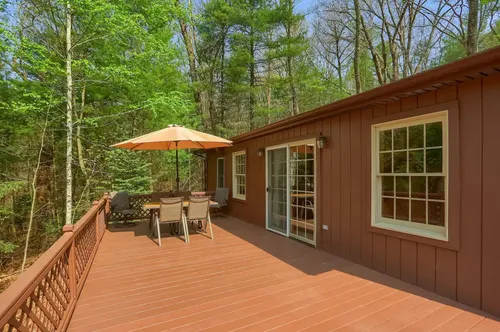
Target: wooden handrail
{"x": 43, "y": 298}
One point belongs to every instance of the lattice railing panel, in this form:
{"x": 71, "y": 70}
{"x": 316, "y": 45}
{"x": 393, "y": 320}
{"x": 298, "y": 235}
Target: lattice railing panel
{"x": 44, "y": 309}
{"x": 84, "y": 245}
{"x": 136, "y": 203}
{"x": 44, "y": 297}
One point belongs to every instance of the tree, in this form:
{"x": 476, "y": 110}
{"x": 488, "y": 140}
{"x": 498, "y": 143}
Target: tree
{"x": 289, "y": 46}
{"x": 69, "y": 114}
{"x": 463, "y": 21}
{"x": 357, "y": 44}
{"x": 128, "y": 172}
{"x": 126, "y": 79}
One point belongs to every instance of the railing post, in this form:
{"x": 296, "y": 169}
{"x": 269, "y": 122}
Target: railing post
{"x": 96, "y": 220}
{"x": 71, "y": 262}
{"x": 107, "y": 207}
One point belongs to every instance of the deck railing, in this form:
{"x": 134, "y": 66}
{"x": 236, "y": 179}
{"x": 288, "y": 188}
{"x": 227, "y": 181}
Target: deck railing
{"x": 45, "y": 295}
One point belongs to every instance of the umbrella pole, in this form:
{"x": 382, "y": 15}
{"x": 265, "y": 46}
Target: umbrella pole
{"x": 177, "y": 164}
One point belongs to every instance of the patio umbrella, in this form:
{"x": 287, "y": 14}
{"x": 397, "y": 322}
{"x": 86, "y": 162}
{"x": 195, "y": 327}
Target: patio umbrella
{"x": 174, "y": 137}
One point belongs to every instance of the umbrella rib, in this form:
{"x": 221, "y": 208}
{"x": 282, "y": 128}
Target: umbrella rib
{"x": 132, "y": 148}
{"x": 199, "y": 144}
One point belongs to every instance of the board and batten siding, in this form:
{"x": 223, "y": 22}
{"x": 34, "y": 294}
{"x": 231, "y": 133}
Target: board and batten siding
{"x": 469, "y": 273}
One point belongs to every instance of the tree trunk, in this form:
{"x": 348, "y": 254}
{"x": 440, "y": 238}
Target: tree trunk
{"x": 289, "y": 65}
{"x": 472, "y": 27}
{"x": 34, "y": 191}
{"x": 79, "y": 147}
{"x": 357, "y": 39}
{"x": 212, "y": 110}
{"x": 189, "y": 43}
{"x": 375, "y": 58}
{"x": 268, "y": 90}
{"x": 251, "y": 110}
{"x": 69, "y": 116}
{"x": 222, "y": 87}
{"x": 339, "y": 64}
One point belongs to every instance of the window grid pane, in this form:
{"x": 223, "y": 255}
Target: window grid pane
{"x": 411, "y": 175}
{"x": 239, "y": 175}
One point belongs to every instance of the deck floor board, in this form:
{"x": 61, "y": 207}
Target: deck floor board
{"x": 248, "y": 279}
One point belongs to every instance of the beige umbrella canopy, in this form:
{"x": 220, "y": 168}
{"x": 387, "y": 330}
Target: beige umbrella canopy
{"x": 174, "y": 137}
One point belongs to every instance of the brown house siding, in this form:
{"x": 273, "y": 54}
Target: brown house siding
{"x": 468, "y": 273}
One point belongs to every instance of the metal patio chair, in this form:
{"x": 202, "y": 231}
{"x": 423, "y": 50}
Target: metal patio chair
{"x": 221, "y": 198}
{"x": 171, "y": 212}
{"x": 120, "y": 203}
{"x": 199, "y": 210}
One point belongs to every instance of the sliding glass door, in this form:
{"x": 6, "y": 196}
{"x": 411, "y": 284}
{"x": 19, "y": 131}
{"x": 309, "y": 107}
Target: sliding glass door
{"x": 291, "y": 190}
{"x": 277, "y": 190}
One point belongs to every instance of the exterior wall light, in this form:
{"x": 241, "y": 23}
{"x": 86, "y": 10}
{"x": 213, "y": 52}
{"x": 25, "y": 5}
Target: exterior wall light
{"x": 260, "y": 153}
{"x": 321, "y": 141}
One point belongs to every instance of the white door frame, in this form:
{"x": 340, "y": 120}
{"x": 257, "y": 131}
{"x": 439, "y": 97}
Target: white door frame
{"x": 287, "y": 146}
{"x": 276, "y": 147}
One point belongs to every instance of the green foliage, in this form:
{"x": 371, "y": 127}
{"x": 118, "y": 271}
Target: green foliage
{"x": 366, "y": 70}
{"x": 7, "y": 190}
{"x": 7, "y": 247}
{"x": 129, "y": 79}
{"x": 453, "y": 49}
{"x": 10, "y": 187}
{"x": 128, "y": 171}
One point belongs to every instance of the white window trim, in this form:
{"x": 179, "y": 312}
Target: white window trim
{"x": 402, "y": 226}
{"x": 235, "y": 193}
{"x": 219, "y": 173}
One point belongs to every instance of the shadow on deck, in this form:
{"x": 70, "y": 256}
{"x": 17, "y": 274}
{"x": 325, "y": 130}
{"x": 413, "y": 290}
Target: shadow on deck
{"x": 250, "y": 279}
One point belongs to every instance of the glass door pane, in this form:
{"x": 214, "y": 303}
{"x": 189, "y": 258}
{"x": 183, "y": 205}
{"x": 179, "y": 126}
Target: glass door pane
{"x": 277, "y": 190}
{"x": 220, "y": 172}
{"x": 302, "y": 218}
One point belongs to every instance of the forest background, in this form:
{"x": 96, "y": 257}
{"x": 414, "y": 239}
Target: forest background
{"x": 79, "y": 75}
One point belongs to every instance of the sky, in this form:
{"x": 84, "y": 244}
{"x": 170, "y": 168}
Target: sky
{"x": 304, "y": 6}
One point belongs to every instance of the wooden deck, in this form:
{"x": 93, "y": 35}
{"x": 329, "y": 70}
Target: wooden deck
{"x": 252, "y": 280}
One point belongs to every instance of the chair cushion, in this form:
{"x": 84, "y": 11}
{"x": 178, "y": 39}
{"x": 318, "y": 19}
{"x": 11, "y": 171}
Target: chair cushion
{"x": 120, "y": 202}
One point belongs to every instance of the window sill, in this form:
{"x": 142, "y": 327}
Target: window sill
{"x": 415, "y": 235}
{"x": 239, "y": 200}
{"x": 412, "y": 231}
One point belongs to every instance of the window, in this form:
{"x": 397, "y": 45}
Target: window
{"x": 239, "y": 175}
{"x": 410, "y": 175}
{"x": 220, "y": 172}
